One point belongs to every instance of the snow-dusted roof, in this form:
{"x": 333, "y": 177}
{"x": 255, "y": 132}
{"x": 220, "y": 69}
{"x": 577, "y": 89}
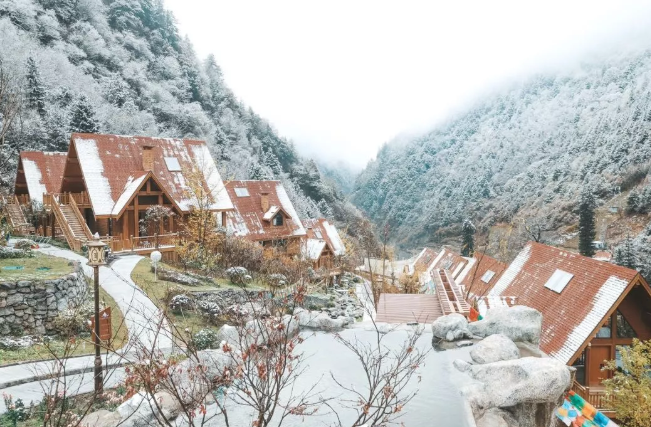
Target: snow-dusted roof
{"x": 321, "y": 229}
{"x": 110, "y": 163}
{"x": 130, "y": 188}
{"x": 571, "y": 316}
{"x": 42, "y": 172}
{"x": 250, "y": 220}
{"x": 314, "y": 248}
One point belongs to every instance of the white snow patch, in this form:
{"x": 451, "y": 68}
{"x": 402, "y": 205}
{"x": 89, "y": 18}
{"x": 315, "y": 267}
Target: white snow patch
{"x": 98, "y": 186}
{"x": 33, "y": 176}
{"x": 338, "y": 245}
{"x": 289, "y": 208}
{"x": 235, "y": 224}
{"x": 129, "y": 188}
{"x": 603, "y": 301}
{"x": 313, "y": 248}
{"x": 511, "y": 272}
{"x": 204, "y": 160}
{"x": 271, "y": 213}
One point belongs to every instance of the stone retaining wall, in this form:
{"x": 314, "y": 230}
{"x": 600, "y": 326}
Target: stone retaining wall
{"x": 29, "y": 306}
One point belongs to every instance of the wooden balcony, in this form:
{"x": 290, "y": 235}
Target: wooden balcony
{"x": 142, "y": 244}
{"x": 596, "y": 396}
{"x": 81, "y": 199}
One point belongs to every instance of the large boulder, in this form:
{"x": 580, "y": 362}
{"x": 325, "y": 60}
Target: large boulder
{"x": 497, "y": 418}
{"x": 101, "y": 418}
{"x": 494, "y": 348}
{"x": 509, "y": 383}
{"x": 518, "y": 323}
{"x": 452, "y": 327}
{"x": 319, "y": 320}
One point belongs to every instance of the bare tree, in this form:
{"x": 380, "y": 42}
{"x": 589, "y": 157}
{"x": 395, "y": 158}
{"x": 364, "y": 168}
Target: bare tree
{"x": 11, "y": 99}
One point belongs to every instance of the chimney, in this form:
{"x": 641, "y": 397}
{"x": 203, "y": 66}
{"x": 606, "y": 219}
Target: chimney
{"x": 264, "y": 201}
{"x": 148, "y": 158}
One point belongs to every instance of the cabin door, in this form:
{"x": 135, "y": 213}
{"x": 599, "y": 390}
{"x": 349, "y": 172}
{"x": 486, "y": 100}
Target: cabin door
{"x": 598, "y": 356}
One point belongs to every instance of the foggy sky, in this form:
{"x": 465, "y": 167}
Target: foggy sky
{"x": 341, "y": 78}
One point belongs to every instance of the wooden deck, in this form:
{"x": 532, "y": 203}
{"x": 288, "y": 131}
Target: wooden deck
{"x": 596, "y": 396}
{"x": 408, "y": 308}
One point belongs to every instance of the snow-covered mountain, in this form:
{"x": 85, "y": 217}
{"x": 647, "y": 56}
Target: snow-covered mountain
{"x": 120, "y": 66}
{"x": 527, "y": 151}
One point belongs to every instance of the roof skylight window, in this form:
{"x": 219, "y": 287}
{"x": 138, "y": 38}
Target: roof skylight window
{"x": 173, "y": 164}
{"x": 559, "y": 281}
{"x": 241, "y": 192}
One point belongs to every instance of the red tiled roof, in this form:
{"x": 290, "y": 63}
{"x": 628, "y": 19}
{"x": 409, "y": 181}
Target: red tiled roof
{"x": 43, "y": 172}
{"x": 603, "y": 256}
{"x": 424, "y": 259}
{"x": 571, "y": 317}
{"x": 247, "y": 218}
{"x": 321, "y": 229}
{"x": 110, "y": 163}
{"x": 450, "y": 261}
{"x": 407, "y": 308}
{"x": 483, "y": 264}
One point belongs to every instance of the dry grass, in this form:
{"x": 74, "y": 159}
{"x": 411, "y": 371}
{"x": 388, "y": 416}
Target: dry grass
{"x": 51, "y": 268}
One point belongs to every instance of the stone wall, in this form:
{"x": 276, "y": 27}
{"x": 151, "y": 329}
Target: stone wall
{"x": 29, "y": 306}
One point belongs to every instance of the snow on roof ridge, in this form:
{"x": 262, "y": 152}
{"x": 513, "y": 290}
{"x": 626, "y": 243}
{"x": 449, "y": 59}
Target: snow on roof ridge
{"x": 602, "y": 302}
{"x": 34, "y": 179}
{"x": 335, "y": 238}
{"x": 131, "y": 186}
{"x": 92, "y": 167}
{"x": 289, "y": 208}
{"x": 511, "y": 272}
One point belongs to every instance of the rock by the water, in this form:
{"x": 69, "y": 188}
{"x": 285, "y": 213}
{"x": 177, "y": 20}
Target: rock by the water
{"x": 518, "y": 323}
{"x": 497, "y": 418}
{"x": 464, "y": 343}
{"x": 452, "y": 327}
{"x": 494, "y": 348}
{"x": 512, "y": 382}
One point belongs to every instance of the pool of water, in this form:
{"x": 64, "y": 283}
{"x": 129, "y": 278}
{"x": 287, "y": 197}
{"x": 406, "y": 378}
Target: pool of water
{"x": 438, "y": 402}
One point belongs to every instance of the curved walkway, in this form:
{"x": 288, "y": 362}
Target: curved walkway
{"x": 145, "y": 325}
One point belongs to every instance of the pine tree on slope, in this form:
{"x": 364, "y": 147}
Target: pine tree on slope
{"x": 35, "y": 89}
{"x": 468, "y": 238}
{"x": 587, "y": 231}
{"x": 83, "y": 117}
{"x": 624, "y": 255}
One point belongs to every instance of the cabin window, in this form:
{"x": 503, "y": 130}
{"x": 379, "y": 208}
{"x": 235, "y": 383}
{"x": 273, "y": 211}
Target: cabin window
{"x": 148, "y": 200}
{"x": 606, "y": 329}
{"x": 579, "y": 364}
{"x": 281, "y": 243}
{"x": 624, "y": 329}
{"x": 172, "y": 164}
{"x": 618, "y": 357}
{"x": 558, "y": 281}
{"x": 241, "y": 192}
{"x": 487, "y": 276}
{"x": 278, "y": 220}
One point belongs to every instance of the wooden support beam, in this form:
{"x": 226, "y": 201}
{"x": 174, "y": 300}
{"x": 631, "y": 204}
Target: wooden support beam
{"x": 135, "y": 216}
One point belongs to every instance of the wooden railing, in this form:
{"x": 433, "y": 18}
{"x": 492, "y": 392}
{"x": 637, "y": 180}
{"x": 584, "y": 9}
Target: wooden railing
{"x": 153, "y": 242}
{"x": 65, "y": 198}
{"x": 80, "y": 218}
{"x": 75, "y": 244}
{"x": 449, "y": 294}
{"x": 596, "y": 398}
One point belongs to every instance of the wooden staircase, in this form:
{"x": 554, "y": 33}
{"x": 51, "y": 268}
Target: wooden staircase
{"x": 15, "y": 215}
{"x": 72, "y": 223}
{"x": 450, "y": 295}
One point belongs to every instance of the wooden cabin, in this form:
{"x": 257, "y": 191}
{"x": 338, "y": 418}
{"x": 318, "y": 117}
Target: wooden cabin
{"x": 263, "y": 213}
{"x": 323, "y": 243}
{"x": 109, "y": 182}
{"x": 590, "y": 310}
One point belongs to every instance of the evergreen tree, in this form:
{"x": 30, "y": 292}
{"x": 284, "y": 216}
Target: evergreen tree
{"x": 256, "y": 172}
{"x": 624, "y": 254}
{"x": 632, "y": 202}
{"x": 468, "y": 238}
{"x": 83, "y": 117}
{"x": 587, "y": 231}
{"x": 35, "y": 88}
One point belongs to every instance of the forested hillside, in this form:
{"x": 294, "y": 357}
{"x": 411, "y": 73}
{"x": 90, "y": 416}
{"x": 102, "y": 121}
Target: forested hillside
{"x": 527, "y": 152}
{"x": 120, "y": 66}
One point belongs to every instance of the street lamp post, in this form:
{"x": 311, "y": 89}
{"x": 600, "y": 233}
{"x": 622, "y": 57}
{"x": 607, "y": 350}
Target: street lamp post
{"x": 95, "y": 260}
{"x": 155, "y": 259}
